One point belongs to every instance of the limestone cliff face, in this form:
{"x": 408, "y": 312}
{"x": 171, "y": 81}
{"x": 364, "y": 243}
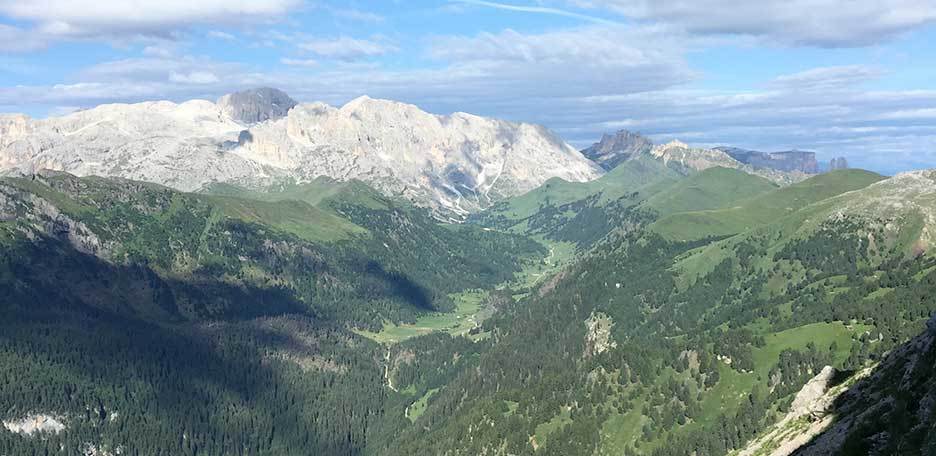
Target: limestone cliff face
{"x": 452, "y": 164}
{"x": 789, "y": 161}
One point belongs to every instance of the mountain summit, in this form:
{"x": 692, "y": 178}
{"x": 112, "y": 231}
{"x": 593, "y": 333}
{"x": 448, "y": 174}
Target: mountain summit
{"x": 256, "y": 105}
{"x": 614, "y": 149}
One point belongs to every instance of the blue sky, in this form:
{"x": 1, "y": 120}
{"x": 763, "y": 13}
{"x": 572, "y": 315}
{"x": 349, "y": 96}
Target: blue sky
{"x": 852, "y": 78}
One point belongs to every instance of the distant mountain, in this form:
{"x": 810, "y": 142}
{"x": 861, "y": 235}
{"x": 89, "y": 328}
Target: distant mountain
{"x": 679, "y": 155}
{"x": 792, "y": 160}
{"x": 452, "y": 164}
{"x": 614, "y": 149}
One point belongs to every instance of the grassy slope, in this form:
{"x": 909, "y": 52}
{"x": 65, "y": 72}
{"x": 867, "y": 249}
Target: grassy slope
{"x": 628, "y": 177}
{"x": 802, "y": 213}
{"x": 762, "y": 209}
{"x": 709, "y": 189}
{"x": 301, "y": 209}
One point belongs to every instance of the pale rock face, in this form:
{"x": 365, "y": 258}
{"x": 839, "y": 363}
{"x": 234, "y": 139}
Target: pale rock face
{"x": 453, "y": 164}
{"x": 693, "y": 158}
{"x": 34, "y": 424}
{"x": 598, "y": 334}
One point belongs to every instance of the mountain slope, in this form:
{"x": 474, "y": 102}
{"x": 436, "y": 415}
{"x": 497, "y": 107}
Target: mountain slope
{"x": 143, "y": 320}
{"x": 454, "y": 164}
{"x": 584, "y": 212}
{"x": 709, "y": 189}
{"x": 624, "y": 353}
{"x": 753, "y": 211}
{"x": 350, "y": 245}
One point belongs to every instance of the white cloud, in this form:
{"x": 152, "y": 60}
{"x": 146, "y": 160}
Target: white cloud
{"x": 824, "y": 23}
{"x": 828, "y": 78}
{"x": 357, "y": 15}
{"x": 923, "y": 113}
{"x": 15, "y": 39}
{"x": 156, "y": 50}
{"x": 194, "y": 77}
{"x": 345, "y": 48}
{"x": 219, "y": 35}
{"x": 592, "y": 60}
{"x": 299, "y": 62}
{"x": 109, "y": 19}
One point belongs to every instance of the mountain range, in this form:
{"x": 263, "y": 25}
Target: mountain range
{"x": 240, "y": 295}
{"x": 453, "y": 164}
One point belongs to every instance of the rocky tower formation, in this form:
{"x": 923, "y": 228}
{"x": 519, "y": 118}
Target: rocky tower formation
{"x": 838, "y": 163}
{"x": 256, "y": 105}
{"x": 452, "y": 164}
{"x": 614, "y": 149}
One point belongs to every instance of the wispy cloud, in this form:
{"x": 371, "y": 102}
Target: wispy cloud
{"x": 299, "y": 62}
{"x": 345, "y": 48}
{"x": 357, "y": 15}
{"x": 828, "y": 78}
{"x": 538, "y": 10}
{"x": 219, "y": 35}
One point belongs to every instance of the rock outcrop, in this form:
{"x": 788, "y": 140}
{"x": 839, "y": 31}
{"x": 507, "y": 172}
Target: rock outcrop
{"x": 35, "y": 424}
{"x": 614, "y": 149}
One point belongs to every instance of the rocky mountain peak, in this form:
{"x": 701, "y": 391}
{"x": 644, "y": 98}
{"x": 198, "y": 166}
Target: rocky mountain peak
{"x": 614, "y": 149}
{"x": 675, "y": 144}
{"x": 256, "y": 105}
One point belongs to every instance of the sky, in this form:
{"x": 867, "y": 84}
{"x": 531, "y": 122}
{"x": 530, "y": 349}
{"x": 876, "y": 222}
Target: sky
{"x": 853, "y": 78}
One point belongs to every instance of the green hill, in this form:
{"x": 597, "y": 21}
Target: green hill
{"x": 519, "y": 214}
{"x": 709, "y": 189}
{"x": 761, "y": 209}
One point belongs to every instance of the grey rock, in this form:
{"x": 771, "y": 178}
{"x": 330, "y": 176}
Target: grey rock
{"x": 615, "y": 149}
{"x": 256, "y": 105}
